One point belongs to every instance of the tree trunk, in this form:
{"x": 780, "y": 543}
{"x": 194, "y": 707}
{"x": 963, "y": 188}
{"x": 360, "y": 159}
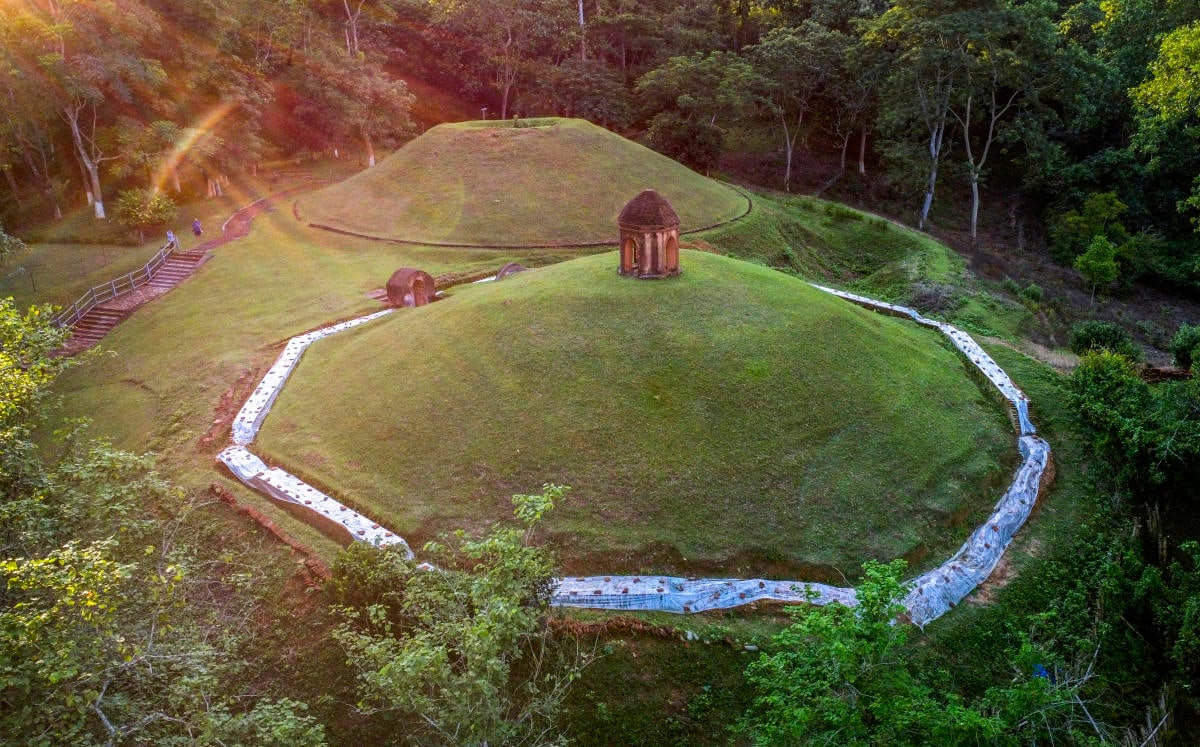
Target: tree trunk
{"x": 845, "y": 147}
{"x": 12, "y": 184}
{"x": 862, "y": 151}
{"x": 370, "y": 150}
{"x": 787, "y": 169}
{"x": 974, "y": 205}
{"x": 935, "y": 155}
{"x": 90, "y": 168}
{"x": 91, "y": 198}
{"x": 352, "y": 28}
{"x": 94, "y": 176}
{"x": 582, "y": 34}
{"x": 927, "y": 203}
{"x": 789, "y": 148}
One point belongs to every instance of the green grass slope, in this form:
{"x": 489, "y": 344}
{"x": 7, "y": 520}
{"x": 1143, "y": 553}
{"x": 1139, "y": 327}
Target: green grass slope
{"x": 831, "y": 243}
{"x": 732, "y": 418}
{"x": 168, "y": 372}
{"x": 546, "y": 182}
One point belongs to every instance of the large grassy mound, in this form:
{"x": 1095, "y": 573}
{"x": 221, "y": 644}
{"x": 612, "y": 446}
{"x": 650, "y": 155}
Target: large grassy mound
{"x": 732, "y": 417}
{"x": 546, "y": 182}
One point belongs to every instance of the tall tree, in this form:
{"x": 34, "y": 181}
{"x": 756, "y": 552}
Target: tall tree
{"x": 27, "y": 118}
{"x": 90, "y": 58}
{"x": 626, "y": 33}
{"x": 703, "y": 87}
{"x": 1005, "y": 65}
{"x": 929, "y": 41}
{"x": 854, "y": 92}
{"x": 689, "y": 95}
{"x": 502, "y": 37}
{"x": 797, "y": 64}
{"x": 380, "y": 109}
{"x": 1169, "y": 103}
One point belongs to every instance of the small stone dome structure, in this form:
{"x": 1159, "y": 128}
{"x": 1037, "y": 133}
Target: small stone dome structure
{"x": 510, "y": 269}
{"x": 649, "y": 237}
{"x": 410, "y": 287}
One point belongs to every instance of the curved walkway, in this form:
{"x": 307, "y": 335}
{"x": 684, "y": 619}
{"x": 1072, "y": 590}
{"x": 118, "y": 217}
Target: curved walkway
{"x": 931, "y": 595}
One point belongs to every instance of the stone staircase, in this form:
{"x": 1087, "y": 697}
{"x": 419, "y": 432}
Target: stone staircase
{"x": 92, "y": 327}
{"x": 97, "y": 323}
{"x": 177, "y": 267}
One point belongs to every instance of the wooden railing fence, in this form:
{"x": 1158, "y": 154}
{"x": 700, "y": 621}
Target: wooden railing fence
{"x": 113, "y": 288}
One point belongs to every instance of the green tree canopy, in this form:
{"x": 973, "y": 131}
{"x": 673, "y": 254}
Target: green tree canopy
{"x": 837, "y": 675}
{"x": 461, "y": 653}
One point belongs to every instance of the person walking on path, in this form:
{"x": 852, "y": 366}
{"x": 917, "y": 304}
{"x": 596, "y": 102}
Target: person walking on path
{"x": 196, "y": 229}
{"x": 172, "y": 241}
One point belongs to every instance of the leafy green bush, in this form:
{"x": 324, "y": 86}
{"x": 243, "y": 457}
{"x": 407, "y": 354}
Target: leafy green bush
{"x": 143, "y": 209}
{"x": 1095, "y": 334}
{"x": 1073, "y": 231}
{"x": 1185, "y": 346}
{"x": 464, "y": 650}
{"x": 1098, "y": 264}
{"x": 9, "y": 244}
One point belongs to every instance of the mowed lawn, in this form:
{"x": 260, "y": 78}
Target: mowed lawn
{"x": 732, "y": 418}
{"x": 158, "y": 379}
{"x": 547, "y": 182}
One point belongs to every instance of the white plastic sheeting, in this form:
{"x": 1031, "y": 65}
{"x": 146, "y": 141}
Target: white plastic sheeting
{"x": 936, "y": 592}
{"x": 250, "y": 417}
{"x": 961, "y": 340}
{"x": 282, "y": 485}
{"x": 286, "y": 487}
{"x": 672, "y": 594}
{"x": 933, "y": 593}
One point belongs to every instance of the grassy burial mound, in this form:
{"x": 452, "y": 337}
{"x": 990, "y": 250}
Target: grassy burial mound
{"x": 732, "y": 418}
{"x": 544, "y": 182}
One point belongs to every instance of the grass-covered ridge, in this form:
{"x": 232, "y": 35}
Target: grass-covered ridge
{"x": 731, "y": 418}
{"x": 829, "y": 242}
{"x": 545, "y": 182}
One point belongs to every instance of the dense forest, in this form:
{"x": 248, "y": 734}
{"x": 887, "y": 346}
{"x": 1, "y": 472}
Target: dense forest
{"x": 1072, "y": 128}
{"x": 1077, "y": 117}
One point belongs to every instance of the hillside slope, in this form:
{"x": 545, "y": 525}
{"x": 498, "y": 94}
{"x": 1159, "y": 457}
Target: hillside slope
{"x": 546, "y": 182}
{"x": 731, "y": 418}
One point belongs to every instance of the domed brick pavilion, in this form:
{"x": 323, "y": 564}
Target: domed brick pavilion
{"x": 649, "y": 237}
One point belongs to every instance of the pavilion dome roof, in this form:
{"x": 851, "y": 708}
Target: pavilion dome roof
{"x": 649, "y": 210}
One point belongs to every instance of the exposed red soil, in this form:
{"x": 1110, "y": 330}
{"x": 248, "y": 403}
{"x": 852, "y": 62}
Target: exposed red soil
{"x": 314, "y": 570}
{"x": 226, "y": 410}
